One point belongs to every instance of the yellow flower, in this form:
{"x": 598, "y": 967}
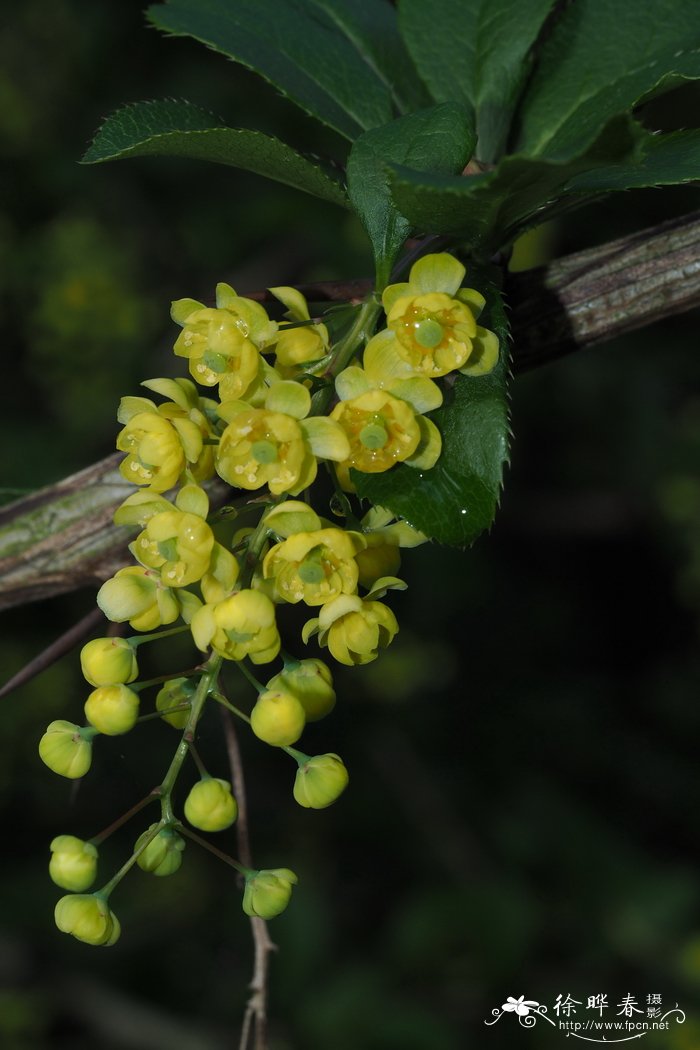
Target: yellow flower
{"x": 163, "y": 854}
{"x": 210, "y": 805}
{"x": 314, "y": 566}
{"x": 73, "y": 864}
{"x": 431, "y": 325}
{"x": 297, "y": 346}
{"x": 223, "y": 344}
{"x": 320, "y": 781}
{"x": 67, "y": 749}
{"x": 267, "y": 893}
{"x": 108, "y": 661}
{"x": 242, "y": 625}
{"x": 278, "y": 718}
{"x": 88, "y": 918}
{"x": 137, "y": 595}
{"x": 354, "y": 630}
{"x": 276, "y": 445}
{"x": 163, "y": 441}
{"x": 381, "y": 429}
{"x": 311, "y": 682}
{"x": 178, "y": 544}
{"x": 112, "y": 709}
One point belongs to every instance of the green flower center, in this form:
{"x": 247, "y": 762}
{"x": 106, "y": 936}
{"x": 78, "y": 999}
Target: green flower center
{"x": 311, "y": 569}
{"x": 168, "y": 549}
{"x": 217, "y": 362}
{"x": 374, "y": 435}
{"x": 429, "y": 333}
{"x": 264, "y": 451}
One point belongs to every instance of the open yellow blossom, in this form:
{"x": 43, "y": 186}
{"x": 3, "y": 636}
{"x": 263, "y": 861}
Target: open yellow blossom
{"x": 242, "y": 625}
{"x": 314, "y": 566}
{"x": 431, "y": 325}
{"x": 276, "y": 445}
{"x": 297, "y": 346}
{"x": 354, "y": 630}
{"x": 178, "y": 544}
{"x": 137, "y": 594}
{"x": 222, "y": 344}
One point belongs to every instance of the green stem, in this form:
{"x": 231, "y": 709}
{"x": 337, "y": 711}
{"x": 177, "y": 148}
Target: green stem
{"x": 217, "y": 852}
{"x": 359, "y": 333}
{"x": 138, "y": 686}
{"x": 250, "y": 676}
{"x": 201, "y": 768}
{"x": 205, "y": 687}
{"x": 227, "y": 703}
{"x": 113, "y": 882}
{"x": 151, "y": 797}
{"x": 299, "y": 757}
{"x": 256, "y": 542}
{"x": 135, "y": 641}
{"x": 160, "y": 714}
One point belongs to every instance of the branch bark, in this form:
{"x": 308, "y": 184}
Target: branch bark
{"x": 61, "y": 538}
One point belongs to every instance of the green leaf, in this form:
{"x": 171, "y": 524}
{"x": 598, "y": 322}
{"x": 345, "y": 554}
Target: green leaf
{"x": 488, "y": 211}
{"x": 602, "y": 58}
{"x": 179, "y": 129}
{"x": 475, "y": 52}
{"x": 372, "y": 27}
{"x": 297, "y": 46}
{"x": 439, "y": 139}
{"x": 667, "y": 161}
{"x": 456, "y": 500}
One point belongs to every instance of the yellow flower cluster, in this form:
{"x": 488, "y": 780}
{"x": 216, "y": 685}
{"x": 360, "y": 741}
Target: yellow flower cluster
{"x": 291, "y": 394}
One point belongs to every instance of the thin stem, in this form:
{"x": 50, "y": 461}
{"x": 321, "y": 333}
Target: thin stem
{"x": 159, "y": 714}
{"x": 359, "y": 333}
{"x": 237, "y": 779}
{"x": 227, "y": 704}
{"x": 138, "y": 686}
{"x": 299, "y": 757}
{"x": 206, "y": 684}
{"x": 240, "y": 868}
{"x": 113, "y": 882}
{"x": 256, "y": 542}
{"x": 201, "y": 768}
{"x": 96, "y": 840}
{"x": 135, "y": 640}
{"x": 258, "y": 686}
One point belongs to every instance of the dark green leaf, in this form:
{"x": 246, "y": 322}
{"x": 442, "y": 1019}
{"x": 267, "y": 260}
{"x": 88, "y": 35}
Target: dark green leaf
{"x": 489, "y": 210}
{"x": 372, "y": 27}
{"x": 457, "y": 499}
{"x": 295, "y": 45}
{"x": 603, "y": 57}
{"x": 667, "y": 161}
{"x": 475, "y": 52}
{"x": 440, "y": 139}
{"x": 179, "y": 129}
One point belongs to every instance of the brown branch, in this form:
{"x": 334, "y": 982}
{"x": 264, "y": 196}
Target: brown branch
{"x": 61, "y": 538}
{"x": 255, "y": 1016}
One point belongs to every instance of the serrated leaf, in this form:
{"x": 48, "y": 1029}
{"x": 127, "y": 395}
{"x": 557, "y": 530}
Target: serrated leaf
{"x": 295, "y": 45}
{"x": 475, "y": 52}
{"x": 439, "y": 139}
{"x": 456, "y": 500}
{"x": 601, "y": 59}
{"x": 668, "y": 160}
{"x": 488, "y": 211}
{"x": 372, "y": 27}
{"x": 179, "y": 129}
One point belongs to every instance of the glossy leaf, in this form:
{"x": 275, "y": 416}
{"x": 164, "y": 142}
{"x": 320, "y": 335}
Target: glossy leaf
{"x": 489, "y": 210}
{"x": 297, "y": 45}
{"x": 668, "y": 160}
{"x": 439, "y": 139}
{"x": 600, "y": 60}
{"x": 179, "y": 129}
{"x": 475, "y": 52}
{"x": 456, "y": 500}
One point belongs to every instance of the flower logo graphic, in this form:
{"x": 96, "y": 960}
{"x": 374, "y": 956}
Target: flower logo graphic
{"x": 521, "y": 1006}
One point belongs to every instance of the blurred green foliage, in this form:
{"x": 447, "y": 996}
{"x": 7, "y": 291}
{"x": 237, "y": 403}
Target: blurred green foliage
{"x": 522, "y": 810}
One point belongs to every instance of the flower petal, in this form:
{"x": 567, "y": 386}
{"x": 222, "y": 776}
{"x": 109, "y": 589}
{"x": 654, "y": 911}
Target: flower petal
{"x": 439, "y": 272}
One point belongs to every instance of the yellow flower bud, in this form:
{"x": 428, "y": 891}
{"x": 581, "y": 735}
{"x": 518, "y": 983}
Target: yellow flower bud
{"x": 354, "y": 630}
{"x": 138, "y": 595}
{"x": 311, "y": 682}
{"x": 320, "y": 781}
{"x": 88, "y": 918}
{"x": 163, "y": 854}
{"x": 210, "y": 805}
{"x": 108, "y": 661}
{"x": 66, "y": 749}
{"x": 112, "y": 709}
{"x": 73, "y": 864}
{"x": 267, "y": 892}
{"x": 278, "y": 718}
{"x": 175, "y": 692}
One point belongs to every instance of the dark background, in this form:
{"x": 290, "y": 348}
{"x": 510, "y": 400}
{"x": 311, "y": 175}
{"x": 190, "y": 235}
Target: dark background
{"x": 522, "y": 817}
